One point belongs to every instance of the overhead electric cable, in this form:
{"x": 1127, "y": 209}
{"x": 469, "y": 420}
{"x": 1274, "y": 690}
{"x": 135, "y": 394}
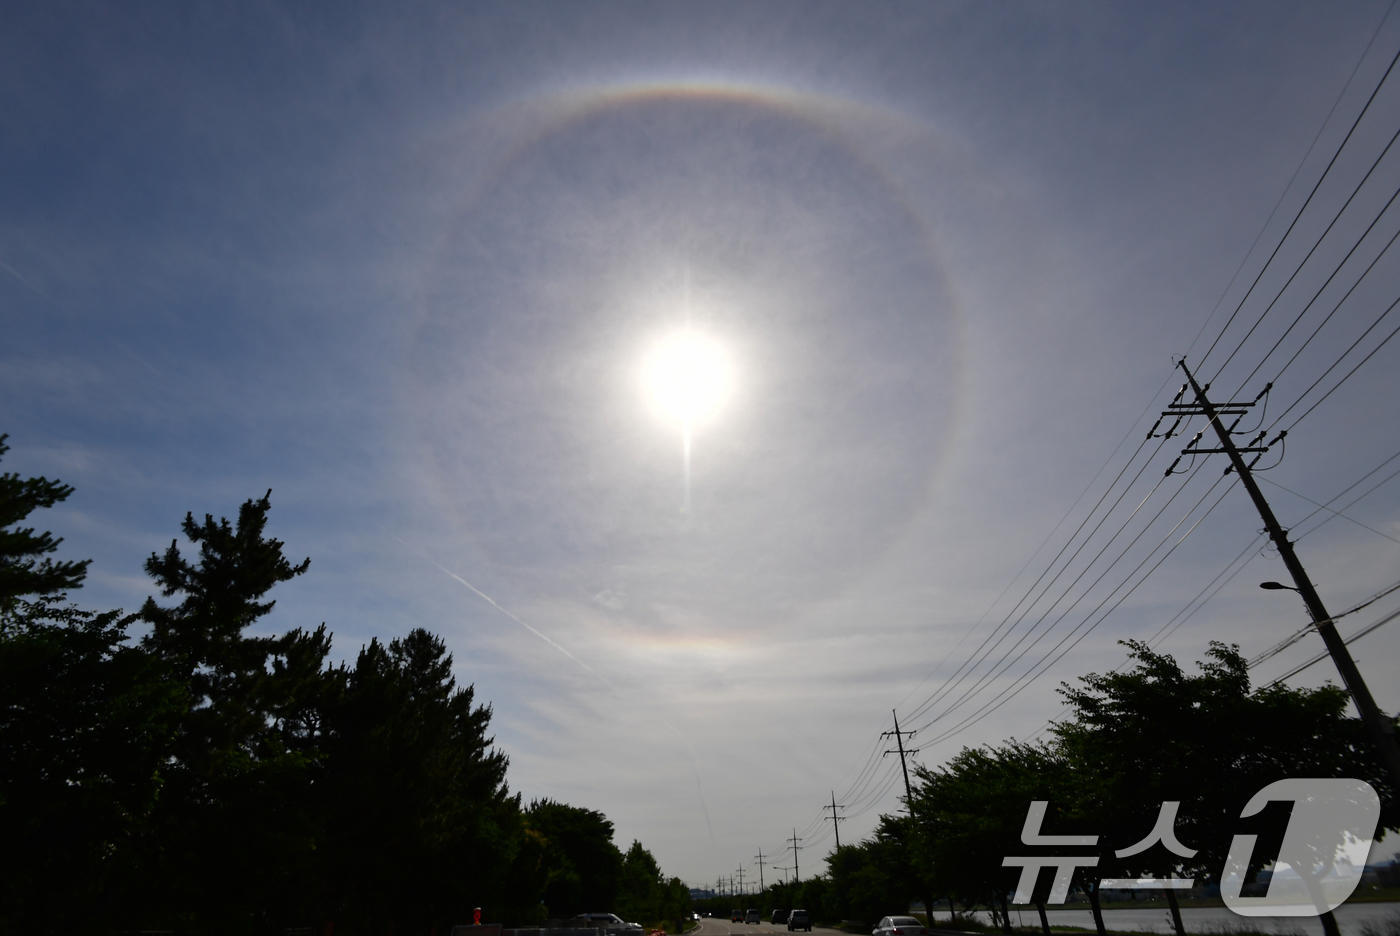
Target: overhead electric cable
{"x": 994, "y": 672}
{"x": 983, "y": 650}
{"x": 1293, "y": 178}
{"x": 1316, "y": 244}
{"x": 1320, "y": 289}
{"x": 1034, "y": 674}
{"x": 1349, "y": 373}
{"x": 990, "y": 675}
{"x": 1311, "y": 627}
{"x": 1170, "y": 628}
{"x": 1107, "y": 461}
{"x": 1308, "y": 201}
{"x": 1350, "y": 640}
{"x": 1335, "y": 513}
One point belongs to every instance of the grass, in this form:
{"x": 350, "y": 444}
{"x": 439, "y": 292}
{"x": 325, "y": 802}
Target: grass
{"x": 1390, "y": 927}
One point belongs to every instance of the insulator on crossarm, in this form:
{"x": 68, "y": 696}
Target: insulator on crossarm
{"x": 1173, "y": 467}
{"x": 1267, "y": 387}
{"x": 1153, "y": 430}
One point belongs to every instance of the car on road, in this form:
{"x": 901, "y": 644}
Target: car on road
{"x": 899, "y": 926}
{"x": 799, "y": 920}
{"x": 753, "y": 916}
{"x": 611, "y": 922}
{"x": 736, "y": 916}
{"x": 779, "y": 916}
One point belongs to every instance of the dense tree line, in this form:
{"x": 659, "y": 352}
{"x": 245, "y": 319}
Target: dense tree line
{"x": 201, "y": 778}
{"x": 1131, "y": 741}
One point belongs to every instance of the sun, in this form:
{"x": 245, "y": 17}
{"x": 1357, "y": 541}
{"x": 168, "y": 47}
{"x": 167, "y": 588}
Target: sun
{"x": 688, "y": 378}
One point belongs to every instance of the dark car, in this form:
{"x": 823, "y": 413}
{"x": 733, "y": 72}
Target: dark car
{"x": 736, "y": 916}
{"x": 900, "y": 926}
{"x": 799, "y": 920}
{"x": 779, "y": 916}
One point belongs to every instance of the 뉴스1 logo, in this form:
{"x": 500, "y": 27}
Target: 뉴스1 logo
{"x": 1318, "y": 867}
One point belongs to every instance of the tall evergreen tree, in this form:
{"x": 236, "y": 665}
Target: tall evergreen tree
{"x": 235, "y": 826}
{"x": 420, "y": 824}
{"x": 25, "y": 568}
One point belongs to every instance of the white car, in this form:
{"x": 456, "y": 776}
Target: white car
{"x": 610, "y": 922}
{"x": 899, "y": 926}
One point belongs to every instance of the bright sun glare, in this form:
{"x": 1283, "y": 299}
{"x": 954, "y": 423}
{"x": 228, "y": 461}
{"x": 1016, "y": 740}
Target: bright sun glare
{"x": 687, "y": 378}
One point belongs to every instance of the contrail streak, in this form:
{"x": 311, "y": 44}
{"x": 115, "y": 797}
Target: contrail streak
{"x": 492, "y": 602}
{"x": 695, "y": 761}
{"x": 15, "y": 273}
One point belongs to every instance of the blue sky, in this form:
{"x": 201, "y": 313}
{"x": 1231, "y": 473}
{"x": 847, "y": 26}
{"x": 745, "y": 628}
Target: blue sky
{"x": 402, "y": 264}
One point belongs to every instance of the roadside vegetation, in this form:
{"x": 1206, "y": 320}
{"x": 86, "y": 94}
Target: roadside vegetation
{"x": 174, "y": 769}
{"x": 1131, "y": 739}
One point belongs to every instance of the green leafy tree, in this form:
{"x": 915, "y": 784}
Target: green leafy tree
{"x": 877, "y": 876}
{"x": 589, "y": 876}
{"x": 645, "y": 895}
{"x": 972, "y": 810}
{"x": 1154, "y": 733}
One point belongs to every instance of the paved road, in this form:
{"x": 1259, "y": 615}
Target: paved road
{"x": 716, "y": 927}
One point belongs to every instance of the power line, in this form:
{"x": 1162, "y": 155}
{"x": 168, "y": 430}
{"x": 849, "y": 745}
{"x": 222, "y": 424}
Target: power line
{"x": 1350, "y": 640}
{"x": 1172, "y": 624}
{"x": 999, "y": 668}
{"x": 1335, "y": 513}
{"x": 1359, "y": 241}
{"x": 1308, "y": 201}
{"x": 1290, "y": 640}
{"x": 1289, "y": 187}
{"x": 1032, "y": 673}
{"x": 1350, "y": 372}
{"x": 1316, "y": 244}
{"x": 982, "y": 650}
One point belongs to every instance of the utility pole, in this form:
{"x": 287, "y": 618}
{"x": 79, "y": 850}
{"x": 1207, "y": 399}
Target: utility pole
{"x": 835, "y": 819}
{"x": 908, "y": 793}
{"x": 794, "y": 840}
{"x": 741, "y": 880}
{"x": 899, "y": 743}
{"x": 759, "y": 856}
{"x": 1380, "y": 726}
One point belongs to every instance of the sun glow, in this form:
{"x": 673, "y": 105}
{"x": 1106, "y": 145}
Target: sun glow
{"x": 687, "y": 379}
